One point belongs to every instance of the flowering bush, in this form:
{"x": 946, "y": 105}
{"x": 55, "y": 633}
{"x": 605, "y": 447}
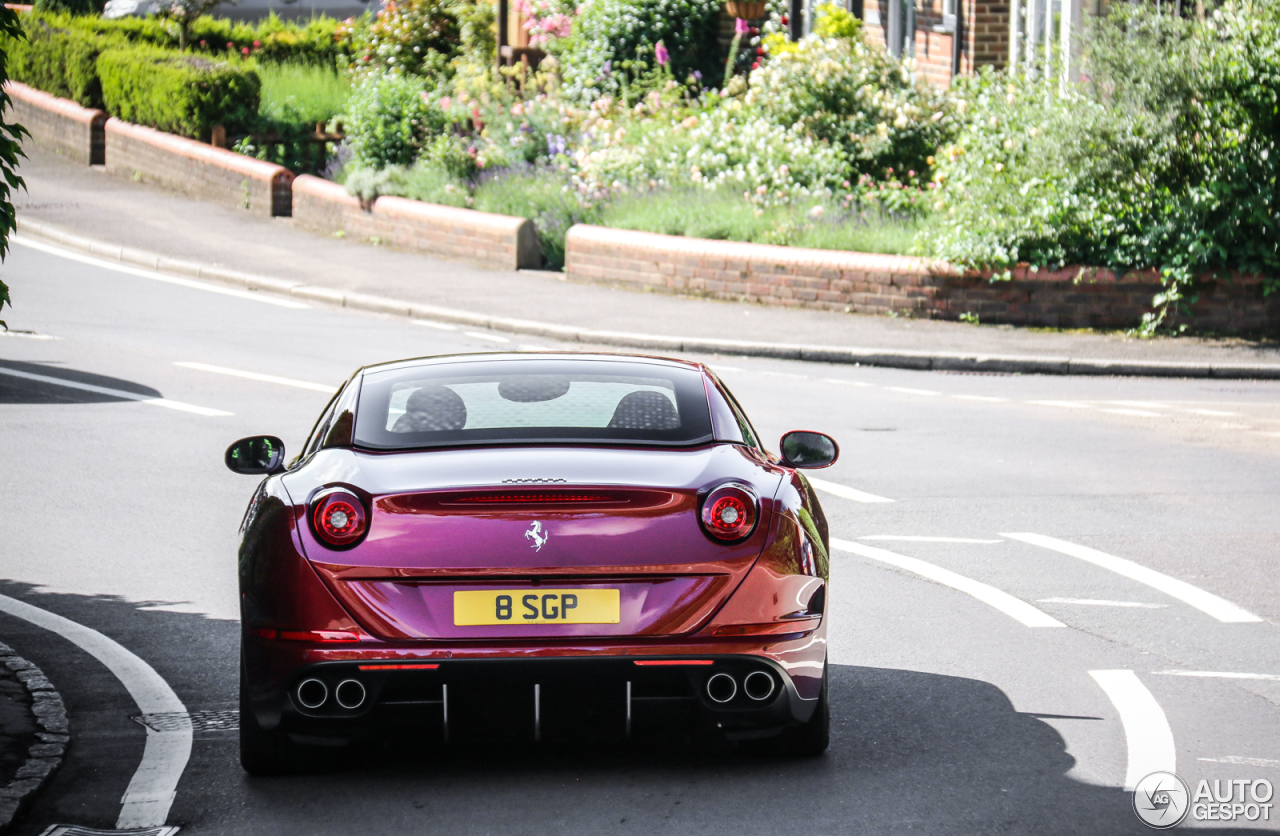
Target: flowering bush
{"x": 547, "y": 20}
{"x": 418, "y": 37}
{"x": 613, "y": 33}
{"x": 390, "y": 119}
{"x": 842, "y": 90}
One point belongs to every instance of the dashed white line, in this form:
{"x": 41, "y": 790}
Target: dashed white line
{"x": 27, "y": 335}
{"x": 845, "y": 382}
{"x": 1214, "y": 412}
{"x": 150, "y": 793}
{"x": 985, "y": 398}
{"x": 785, "y": 374}
{"x": 908, "y": 538}
{"x": 1148, "y": 738}
{"x": 1062, "y": 404}
{"x": 116, "y": 267}
{"x": 1095, "y": 602}
{"x": 1015, "y": 608}
{"x": 1140, "y": 413}
{"x": 1239, "y": 761}
{"x": 265, "y": 378}
{"x": 1266, "y": 677}
{"x": 845, "y": 492}
{"x": 442, "y": 326}
{"x": 489, "y": 337}
{"x": 1206, "y": 602}
{"x": 119, "y": 393}
{"x": 909, "y": 391}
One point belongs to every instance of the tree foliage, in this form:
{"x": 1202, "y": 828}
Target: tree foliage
{"x": 11, "y": 135}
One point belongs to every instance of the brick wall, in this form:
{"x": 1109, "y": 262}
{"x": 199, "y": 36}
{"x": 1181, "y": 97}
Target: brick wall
{"x": 200, "y": 170}
{"x": 984, "y": 34}
{"x": 71, "y": 130}
{"x": 881, "y": 284}
{"x": 498, "y": 241}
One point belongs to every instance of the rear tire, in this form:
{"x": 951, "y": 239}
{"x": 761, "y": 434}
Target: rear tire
{"x": 264, "y": 752}
{"x": 812, "y": 738}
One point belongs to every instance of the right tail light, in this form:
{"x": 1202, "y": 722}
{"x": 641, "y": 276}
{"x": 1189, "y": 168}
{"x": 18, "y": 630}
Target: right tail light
{"x": 338, "y": 518}
{"x": 730, "y": 512}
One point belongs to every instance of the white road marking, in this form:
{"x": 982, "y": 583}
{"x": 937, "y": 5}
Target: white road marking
{"x": 150, "y": 794}
{"x": 786, "y": 374}
{"x": 1015, "y": 608}
{"x": 1095, "y": 602}
{"x": 119, "y": 393}
{"x": 27, "y": 335}
{"x": 489, "y": 337}
{"x": 909, "y": 391}
{"x": 1239, "y": 761}
{"x": 1215, "y": 412}
{"x": 845, "y": 492}
{"x": 986, "y": 398}
{"x": 844, "y": 382}
{"x": 1235, "y": 426}
{"x": 1141, "y": 404}
{"x": 1063, "y": 404}
{"x": 912, "y": 539}
{"x": 265, "y": 378}
{"x": 443, "y": 326}
{"x": 1136, "y": 412}
{"x": 117, "y": 267}
{"x": 1146, "y": 730}
{"x": 1206, "y": 602}
{"x": 717, "y": 368}
{"x": 1267, "y": 677}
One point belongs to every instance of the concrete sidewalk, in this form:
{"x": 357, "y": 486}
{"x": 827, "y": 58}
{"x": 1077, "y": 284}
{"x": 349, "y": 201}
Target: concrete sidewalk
{"x": 89, "y": 203}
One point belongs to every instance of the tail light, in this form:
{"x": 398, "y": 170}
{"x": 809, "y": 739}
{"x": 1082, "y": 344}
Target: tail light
{"x": 338, "y": 518}
{"x": 730, "y": 512}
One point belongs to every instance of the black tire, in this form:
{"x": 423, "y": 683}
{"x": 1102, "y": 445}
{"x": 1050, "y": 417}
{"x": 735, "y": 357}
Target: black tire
{"x": 263, "y": 752}
{"x": 811, "y": 739}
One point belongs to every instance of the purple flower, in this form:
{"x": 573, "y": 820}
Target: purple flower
{"x": 661, "y": 54}
{"x": 608, "y": 67}
{"x": 741, "y": 27}
{"x": 698, "y": 75}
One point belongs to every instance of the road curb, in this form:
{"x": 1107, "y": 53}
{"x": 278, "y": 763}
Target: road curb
{"x": 882, "y": 357}
{"x": 44, "y": 757}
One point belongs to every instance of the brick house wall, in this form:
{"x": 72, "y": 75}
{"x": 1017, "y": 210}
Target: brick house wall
{"x": 984, "y": 35}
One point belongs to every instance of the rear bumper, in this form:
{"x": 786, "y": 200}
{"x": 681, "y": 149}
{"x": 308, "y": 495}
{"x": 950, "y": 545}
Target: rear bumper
{"x": 533, "y": 694}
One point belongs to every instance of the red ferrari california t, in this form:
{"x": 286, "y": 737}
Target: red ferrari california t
{"x": 534, "y": 547}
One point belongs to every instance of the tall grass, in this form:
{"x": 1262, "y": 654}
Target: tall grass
{"x": 297, "y": 94}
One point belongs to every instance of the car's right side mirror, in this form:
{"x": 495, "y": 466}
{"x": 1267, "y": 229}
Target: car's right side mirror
{"x": 256, "y": 455}
{"x": 805, "y": 448}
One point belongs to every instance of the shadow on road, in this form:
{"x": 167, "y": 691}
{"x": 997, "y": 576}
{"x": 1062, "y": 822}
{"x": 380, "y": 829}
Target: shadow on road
{"x": 911, "y": 753}
{"x": 21, "y": 390}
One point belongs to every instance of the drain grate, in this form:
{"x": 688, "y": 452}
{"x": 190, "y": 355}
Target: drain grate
{"x": 201, "y": 721}
{"x": 77, "y": 830}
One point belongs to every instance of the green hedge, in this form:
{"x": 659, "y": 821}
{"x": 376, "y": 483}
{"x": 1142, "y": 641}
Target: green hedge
{"x": 59, "y": 58}
{"x": 179, "y": 93}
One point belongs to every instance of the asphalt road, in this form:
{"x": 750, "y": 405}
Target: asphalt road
{"x": 985, "y": 679}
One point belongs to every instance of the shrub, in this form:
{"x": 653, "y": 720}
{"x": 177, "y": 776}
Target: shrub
{"x": 176, "y": 92}
{"x": 389, "y": 120}
{"x": 545, "y": 196}
{"x": 613, "y": 33}
{"x": 75, "y": 7}
{"x": 59, "y": 58}
{"x": 417, "y": 37}
{"x": 855, "y": 96}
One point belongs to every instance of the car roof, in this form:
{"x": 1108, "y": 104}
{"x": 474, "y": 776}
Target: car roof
{"x": 508, "y": 356}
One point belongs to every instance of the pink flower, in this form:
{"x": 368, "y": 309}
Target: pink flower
{"x": 230, "y": 45}
{"x": 741, "y": 27}
{"x": 245, "y": 52}
{"x": 661, "y": 54}
{"x": 446, "y": 103}
{"x": 257, "y": 44}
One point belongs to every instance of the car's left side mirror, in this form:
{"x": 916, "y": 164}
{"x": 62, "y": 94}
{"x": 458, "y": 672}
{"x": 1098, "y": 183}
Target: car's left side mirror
{"x": 805, "y": 448}
{"x": 256, "y": 455}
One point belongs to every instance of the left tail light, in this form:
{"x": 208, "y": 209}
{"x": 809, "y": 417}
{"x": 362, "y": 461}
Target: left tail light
{"x": 729, "y": 512}
{"x": 338, "y": 518}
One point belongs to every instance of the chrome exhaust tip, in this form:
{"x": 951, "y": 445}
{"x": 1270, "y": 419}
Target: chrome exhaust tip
{"x": 312, "y": 693}
{"x": 759, "y": 686}
{"x": 722, "y": 688}
{"x": 350, "y": 694}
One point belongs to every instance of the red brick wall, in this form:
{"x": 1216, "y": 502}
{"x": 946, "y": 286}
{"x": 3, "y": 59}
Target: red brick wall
{"x": 984, "y": 33}
{"x": 498, "y": 241}
{"x": 199, "y": 170}
{"x": 66, "y": 127}
{"x": 881, "y": 284}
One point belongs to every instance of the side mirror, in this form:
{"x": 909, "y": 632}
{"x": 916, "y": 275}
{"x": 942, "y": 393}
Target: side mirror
{"x": 256, "y": 455}
{"x": 804, "y": 448}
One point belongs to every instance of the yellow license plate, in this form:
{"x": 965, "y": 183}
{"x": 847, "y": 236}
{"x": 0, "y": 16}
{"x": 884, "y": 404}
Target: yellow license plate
{"x": 537, "y": 606}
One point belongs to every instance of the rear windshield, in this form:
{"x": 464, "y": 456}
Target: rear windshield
{"x": 531, "y": 401}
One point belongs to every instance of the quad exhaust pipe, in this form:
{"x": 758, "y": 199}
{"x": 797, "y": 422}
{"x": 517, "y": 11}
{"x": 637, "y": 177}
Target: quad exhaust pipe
{"x": 349, "y": 694}
{"x": 757, "y": 685}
